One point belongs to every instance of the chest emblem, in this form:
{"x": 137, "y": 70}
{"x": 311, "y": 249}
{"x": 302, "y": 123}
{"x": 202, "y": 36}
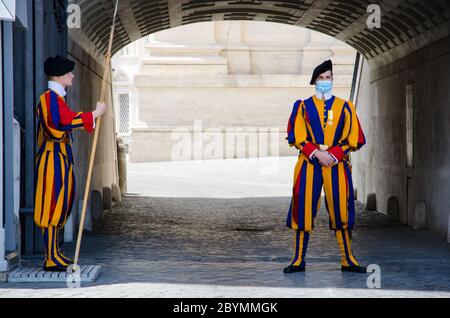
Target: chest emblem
{"x": 330, "y": 118}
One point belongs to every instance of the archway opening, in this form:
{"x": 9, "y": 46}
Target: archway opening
{"x": 206, "y": 92}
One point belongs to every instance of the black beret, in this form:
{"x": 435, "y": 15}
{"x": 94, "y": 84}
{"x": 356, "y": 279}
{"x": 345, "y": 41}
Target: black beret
{"x": 322, "y": 68}
{"x": 58, "y": 66}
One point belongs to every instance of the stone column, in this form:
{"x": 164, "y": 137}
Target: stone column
{"x": 229, "y": 34}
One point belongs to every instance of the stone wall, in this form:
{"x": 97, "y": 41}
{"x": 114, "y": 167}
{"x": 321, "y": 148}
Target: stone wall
{"x": 381, "y": 167}
{"x": 83, "y": 96}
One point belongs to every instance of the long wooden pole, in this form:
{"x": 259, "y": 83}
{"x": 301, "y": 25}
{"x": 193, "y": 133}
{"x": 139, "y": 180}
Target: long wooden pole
{"x": 75, "y": 267}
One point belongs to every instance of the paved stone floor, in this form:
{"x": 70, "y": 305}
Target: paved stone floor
{"x": 236, "y": 245}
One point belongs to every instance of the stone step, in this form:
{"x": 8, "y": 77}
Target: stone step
{"x": 25, "y": 274}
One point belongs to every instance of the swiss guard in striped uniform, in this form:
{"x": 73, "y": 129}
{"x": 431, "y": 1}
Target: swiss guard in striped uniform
{"x": 325, "y": 129}
{"x": 55, "y": 177}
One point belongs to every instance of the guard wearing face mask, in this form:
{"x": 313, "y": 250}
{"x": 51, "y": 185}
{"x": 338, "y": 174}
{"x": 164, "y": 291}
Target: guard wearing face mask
{"x": 325, "y": 129}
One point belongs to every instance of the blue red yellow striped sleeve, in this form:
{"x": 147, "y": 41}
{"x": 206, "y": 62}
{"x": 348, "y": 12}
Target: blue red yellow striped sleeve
{"x": 291, "y": 124}
{"x": 60, "y": 117}
{"x": 353, "y": 137}
{"x": 297, "y": 130}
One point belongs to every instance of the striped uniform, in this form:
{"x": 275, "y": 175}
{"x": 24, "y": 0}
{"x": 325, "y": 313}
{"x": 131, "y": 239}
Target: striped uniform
{"x": 334, "y": 124}
{"x": 55, "y": 177}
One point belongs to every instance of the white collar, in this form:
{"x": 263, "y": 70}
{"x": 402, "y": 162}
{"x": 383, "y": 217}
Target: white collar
{"x": 327, "y": 96}
{"x": 57, "y": 88}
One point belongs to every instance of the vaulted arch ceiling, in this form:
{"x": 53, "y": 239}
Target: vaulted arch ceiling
{"x": 406, "y": 25}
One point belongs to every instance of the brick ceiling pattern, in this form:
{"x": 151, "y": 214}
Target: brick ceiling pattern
{"x": 402, "y": 20}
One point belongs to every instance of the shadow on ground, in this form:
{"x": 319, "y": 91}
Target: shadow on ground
{"x": 244, "y": 242}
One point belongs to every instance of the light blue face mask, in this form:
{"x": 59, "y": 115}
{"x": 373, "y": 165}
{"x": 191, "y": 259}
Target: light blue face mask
{"x": 324, "y": 86}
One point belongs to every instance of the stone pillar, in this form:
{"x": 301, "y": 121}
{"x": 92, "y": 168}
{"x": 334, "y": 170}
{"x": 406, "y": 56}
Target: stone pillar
{"x": 343, "y": 59}
{"x": 229, "y": 34}
{"x": 317, "y": 51}
{"x": 7, "y": 124}
{"x": 122, "y": 163}
{"x": 420, "y": 220}
{"x": 3, "y": 263}
{"x": 393, "y": 209}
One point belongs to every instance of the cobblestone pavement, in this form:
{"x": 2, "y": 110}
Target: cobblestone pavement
{"x": 237, "y": 247}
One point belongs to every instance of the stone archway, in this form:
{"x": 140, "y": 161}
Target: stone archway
{"x": 407, "y": 25}
{"x": 412, "y": 34}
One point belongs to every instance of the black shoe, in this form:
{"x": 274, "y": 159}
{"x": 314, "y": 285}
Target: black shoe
{"x": 354, "y": 269}
{"x": 294, "y": 269}
{"x": 55, "y": 269}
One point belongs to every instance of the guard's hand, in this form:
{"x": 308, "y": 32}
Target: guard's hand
{"x": 100, "y": 110}
{"x": 325, "y": 158}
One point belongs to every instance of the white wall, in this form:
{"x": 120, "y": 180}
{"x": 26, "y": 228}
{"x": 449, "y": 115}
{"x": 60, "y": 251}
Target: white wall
{"x": 3, "y": 263}
{"x": 8, "y": 10}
